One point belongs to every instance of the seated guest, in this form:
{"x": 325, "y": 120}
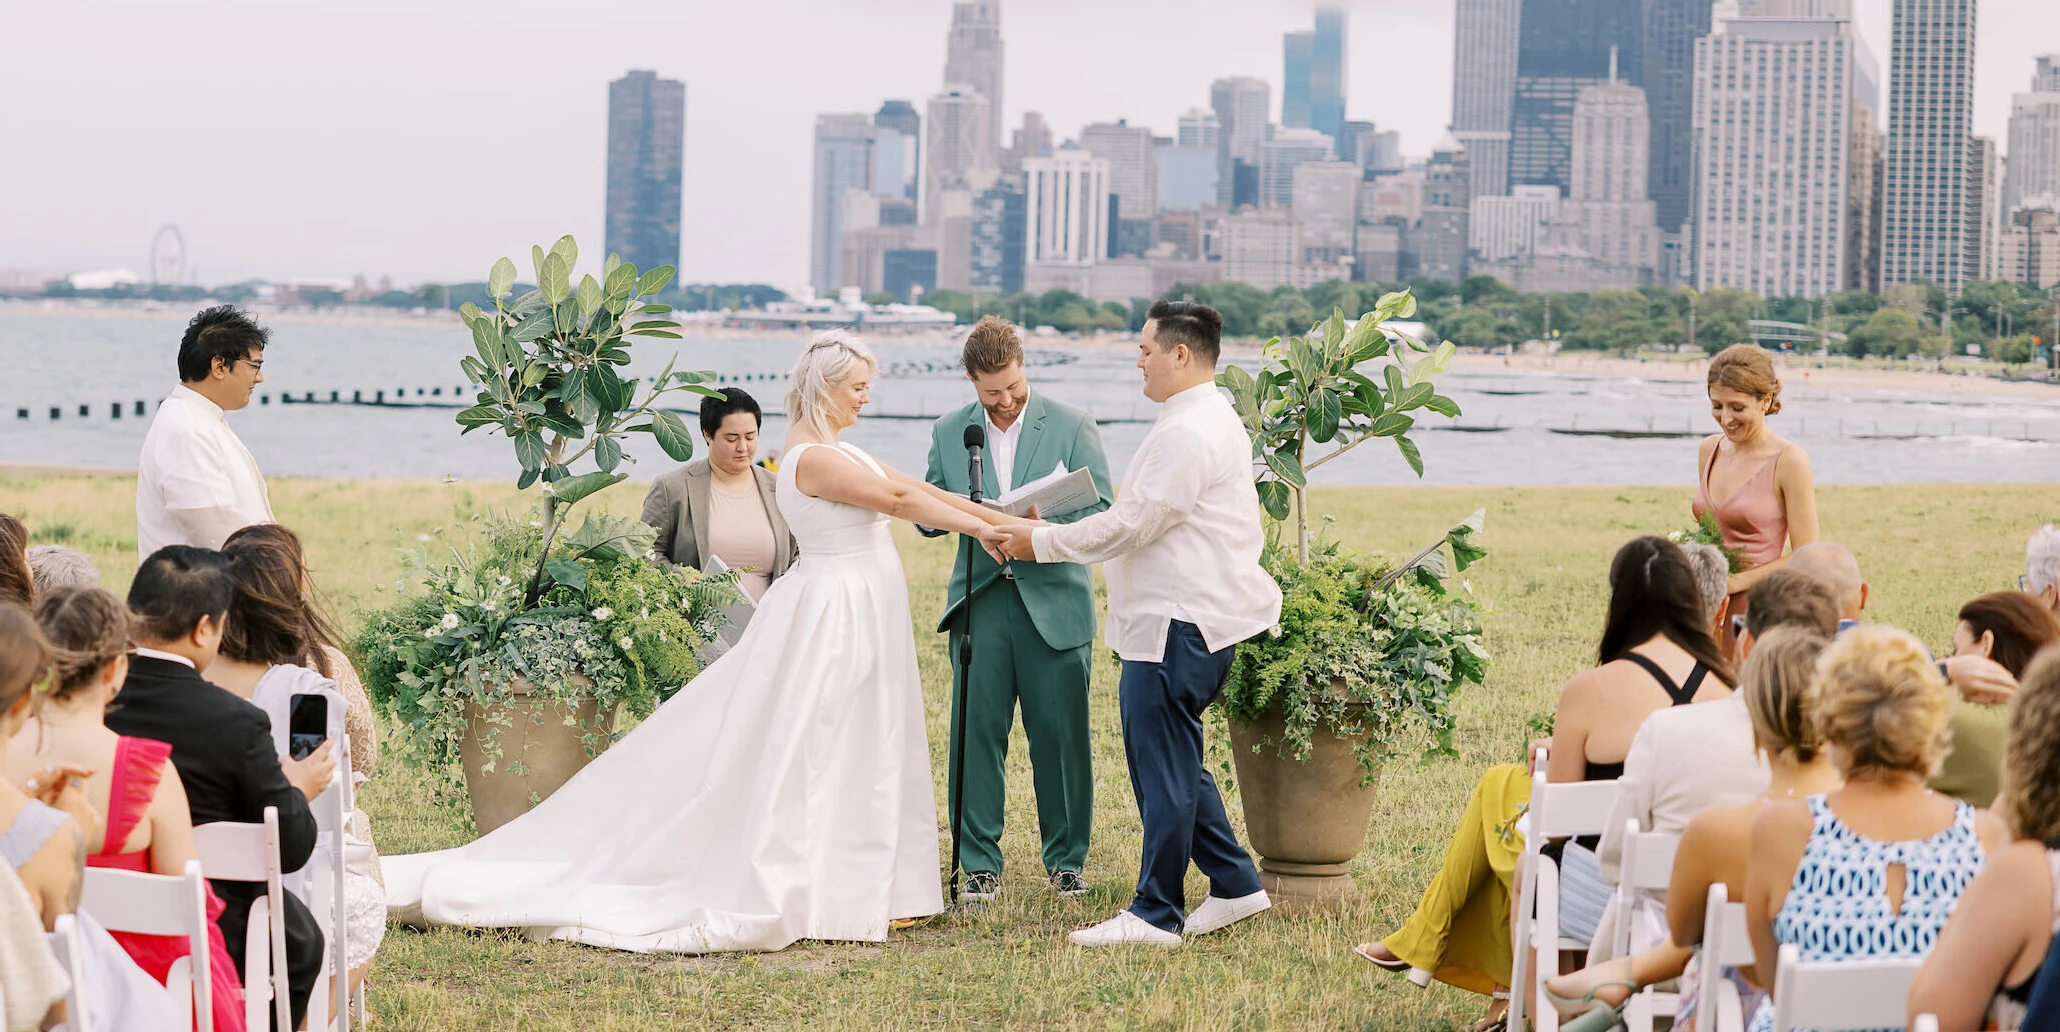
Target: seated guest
{"x": 721, "y": 505}
{"x": 28, "y": 969}
{"x": 1871, "y": 869}
{"x": 1977, "y": 678}
{"x": 17, "y": 583}
{"x": 133, "y": 781}
{"x": 45, "y": 824}
{"x": 2009, "y": 627}
{"x": 278, "y": 648}
{"x": 55, "y": 566}
{"x": 2042, "y": 567}
{"x": 1980, "y": 974}
{"x": 222, "y": 746}
{"x": 1712, "y": 578}
{"x": 1683, "y": 761}
{"x": 1656, "y": 652}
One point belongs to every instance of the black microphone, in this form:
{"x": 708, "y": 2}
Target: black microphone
{"x": 976, "y": 440}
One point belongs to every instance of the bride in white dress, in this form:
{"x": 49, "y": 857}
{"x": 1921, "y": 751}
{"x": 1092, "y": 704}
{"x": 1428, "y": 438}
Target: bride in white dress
{"x": 785, "y": 793}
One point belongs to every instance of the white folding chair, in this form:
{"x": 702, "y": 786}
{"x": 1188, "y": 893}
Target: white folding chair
{"x": 1725, "y": 944}
{"x": 1545, "y": 940}
{"x": 1646, "y": 870}
{"x": 1835, "y": 995}
{"x": 250, "y": 853}
{"x": 161, "y": 904}
{"x": 326, "y": 899}
{"x": 70, "y": 950}
{"x": 1556, "y": 811}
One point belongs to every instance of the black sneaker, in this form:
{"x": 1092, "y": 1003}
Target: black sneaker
{"x": 1069, "y": 883}
{"x": 981, "y": 886}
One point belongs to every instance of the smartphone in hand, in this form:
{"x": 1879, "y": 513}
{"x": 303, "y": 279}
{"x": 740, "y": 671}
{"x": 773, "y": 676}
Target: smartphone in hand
{"x": 307, "y": 725}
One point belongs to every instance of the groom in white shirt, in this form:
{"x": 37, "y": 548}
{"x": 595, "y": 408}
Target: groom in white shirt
{"x": 1180, "y": 551}
{"x": 196, "y": 483}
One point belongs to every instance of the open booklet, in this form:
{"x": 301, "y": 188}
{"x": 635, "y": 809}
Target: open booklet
{"x": 739, "y": 614}
{"x": 1060, "y": 493}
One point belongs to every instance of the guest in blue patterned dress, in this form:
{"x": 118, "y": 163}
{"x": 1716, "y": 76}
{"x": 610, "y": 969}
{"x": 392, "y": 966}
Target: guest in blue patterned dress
{"x": 1873, "y": 869}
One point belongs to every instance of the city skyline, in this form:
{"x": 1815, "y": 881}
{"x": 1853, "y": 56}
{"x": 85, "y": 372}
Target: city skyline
{"x": 370, "y": 168}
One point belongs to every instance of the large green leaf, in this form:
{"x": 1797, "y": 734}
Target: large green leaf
{"x": 566, "y": 572}
{"x": 1285, "y": 466}
{"x": 671, "y": 433}
{"x": 621, "y": 279}
{"x": 1442, "y": 405}
{"x": 477, "y": 416}
{"x": 654, "y": 281}
{"x": 529, "y": 450}
{"x": 1273, "y": 497}
{"x": 574, "y": 489}
{"x": 589, "y": 297}
{"x": 1409, "y": 452}
{"x": 1333, "y": 331}
{"x": 501, "y": 280}
{"x": 1391, "y": 424}
{"x": 1464, "y": 552}
{"x": 1392, "y": 374}
{"x": 568, "y": 249}
{"x": 611, "y": 537}
{"x": 1415, "y": 397}
{"x": 534, "y": 326}
{"x": 1324, "y": 413}
{"x": 607, "y": 454}
{"x": 1302, "y": 360}
{"x": 555, "y": 277}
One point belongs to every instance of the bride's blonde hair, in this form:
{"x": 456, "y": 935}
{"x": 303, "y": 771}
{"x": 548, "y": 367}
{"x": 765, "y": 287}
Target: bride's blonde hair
{"x": 826, "y": 364}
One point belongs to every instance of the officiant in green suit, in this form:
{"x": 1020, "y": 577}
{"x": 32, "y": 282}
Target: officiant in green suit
{"x": 1033, "y": 623}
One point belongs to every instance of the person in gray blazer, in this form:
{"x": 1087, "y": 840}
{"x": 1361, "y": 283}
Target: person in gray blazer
{"x": 723, "y": 505}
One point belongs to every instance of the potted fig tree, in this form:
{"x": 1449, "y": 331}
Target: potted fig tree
{"x": 1370, "y": 652}
{"x": 515, "y": 643}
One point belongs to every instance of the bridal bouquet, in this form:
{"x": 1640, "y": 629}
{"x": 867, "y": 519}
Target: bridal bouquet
{"x": 1706, "y": 532}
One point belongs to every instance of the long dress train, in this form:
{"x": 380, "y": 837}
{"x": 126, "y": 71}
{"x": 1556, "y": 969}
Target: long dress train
{"x": 784, "y": 794}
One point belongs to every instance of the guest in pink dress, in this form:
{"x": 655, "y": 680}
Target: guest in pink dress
{"x": 1769, "y": 498}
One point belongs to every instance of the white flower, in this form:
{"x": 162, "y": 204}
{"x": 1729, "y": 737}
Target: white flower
{"x": 505, "y": 582}
{"x": 489, "y": 605}
{"x": 645, "y": 615}
{"x": 536, "y": 523}
{"x": 625, "y": 644}
{"x": 421, "y": 537}
{"x": 603, "y": 613}
{"x": 450, "y": 621}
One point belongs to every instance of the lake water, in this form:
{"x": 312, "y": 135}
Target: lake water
{"x": 64, "y": 360}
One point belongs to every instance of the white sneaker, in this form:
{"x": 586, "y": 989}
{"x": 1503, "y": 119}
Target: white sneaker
{"x": 1124, "y": 929}
{"x": 1217, "y": 913}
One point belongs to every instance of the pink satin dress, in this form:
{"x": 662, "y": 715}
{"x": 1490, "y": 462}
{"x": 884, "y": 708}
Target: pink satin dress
{"x": 1752, "y": 520}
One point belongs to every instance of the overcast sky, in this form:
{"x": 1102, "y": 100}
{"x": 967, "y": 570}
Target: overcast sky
{"x": 423, "y": 138}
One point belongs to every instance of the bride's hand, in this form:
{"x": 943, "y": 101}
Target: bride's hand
{"x": 993, "y": 539}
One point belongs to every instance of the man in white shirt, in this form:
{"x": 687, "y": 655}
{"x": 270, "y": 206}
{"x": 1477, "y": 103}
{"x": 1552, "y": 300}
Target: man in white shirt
{"x": 196, "y": 483}
{"x": 1180, "y": 551}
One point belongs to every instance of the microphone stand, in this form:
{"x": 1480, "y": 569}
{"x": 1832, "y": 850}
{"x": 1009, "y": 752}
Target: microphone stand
{"x": 975, "y": 440}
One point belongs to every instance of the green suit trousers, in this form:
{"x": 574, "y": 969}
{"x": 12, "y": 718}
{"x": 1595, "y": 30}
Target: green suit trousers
{"x": 1012, "y": 663}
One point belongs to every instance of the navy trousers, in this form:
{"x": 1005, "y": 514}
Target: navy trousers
{"x": 1183, "y": 816}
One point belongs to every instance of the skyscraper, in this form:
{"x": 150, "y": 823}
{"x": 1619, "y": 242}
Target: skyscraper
{"x": 1199, "y": 129}
{"x": 957, "y": 150}
{"x": 1775, "y": 103}
{"x": 1668, "y": 78}
{"x": 1326, "y": 202}
{"x": 843, "y": 162}
{"x": 1241, "y": 106}
{"x": 2034, "y": 168}
{"x": 1564, "y": 47}
{"x": 997, "y": 238}
{"x": 1032, "y": 139}
{"x": 1983, "y": 220}
{"x": 897, "y": 150}
{"x": 1484, "y": 87}
{"x": 1930, "y": 102}
{"x": 1298, "y": 50}
{"x": 1133, "y": 172}
{"x": 1278, "y": 158}
{"x": 1439, "y": 238}
{"x": 1327, "y": 77}
{"x": 1067, "y": 208}
{"x": 647, "y": 127}
{"x": 973, "y": 56}
{"x": 1612, "y": 151}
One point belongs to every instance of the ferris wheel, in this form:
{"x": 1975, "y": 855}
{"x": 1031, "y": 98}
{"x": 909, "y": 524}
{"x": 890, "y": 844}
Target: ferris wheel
{"x": 168, "y": 256}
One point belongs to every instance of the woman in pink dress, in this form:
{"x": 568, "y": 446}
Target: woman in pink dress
{"x": 148, "y": 828}
{"x": 1769, "y": 499}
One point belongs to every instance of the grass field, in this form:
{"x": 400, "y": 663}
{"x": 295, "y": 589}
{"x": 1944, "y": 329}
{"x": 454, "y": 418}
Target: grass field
{"x": 1925, "y": 550}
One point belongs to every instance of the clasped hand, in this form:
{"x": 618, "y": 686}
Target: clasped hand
{"x": 1011, "y": 540}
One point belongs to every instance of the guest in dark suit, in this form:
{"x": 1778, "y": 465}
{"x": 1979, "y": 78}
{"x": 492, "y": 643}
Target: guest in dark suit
{"x": 722, "y": 505}
{"x": 221, "y": 745}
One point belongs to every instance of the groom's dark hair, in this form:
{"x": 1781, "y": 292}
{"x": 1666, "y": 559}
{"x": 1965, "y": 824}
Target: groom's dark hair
{"x": 1191, "y": 323}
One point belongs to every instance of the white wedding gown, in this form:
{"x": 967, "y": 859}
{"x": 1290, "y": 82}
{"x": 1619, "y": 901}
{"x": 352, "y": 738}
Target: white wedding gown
{"x": 783, "y": 794}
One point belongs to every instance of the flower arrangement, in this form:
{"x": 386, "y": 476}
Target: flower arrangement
{"x": 626, "y": 637}
{"x": 1706, "y": 532}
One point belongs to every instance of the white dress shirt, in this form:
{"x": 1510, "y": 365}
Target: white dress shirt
{"x": 1183, "y": 539}
{"x": 1001, "y": 450}
{"x": 195, "y": 482}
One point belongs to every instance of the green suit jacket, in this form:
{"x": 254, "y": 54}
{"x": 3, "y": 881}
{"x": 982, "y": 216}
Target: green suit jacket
{"x": 1059, "y": 596}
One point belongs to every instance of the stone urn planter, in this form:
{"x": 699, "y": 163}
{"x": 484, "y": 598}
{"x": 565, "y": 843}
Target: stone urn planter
{"x": 1306, "y": 819}
{"x": 541, "y": 745}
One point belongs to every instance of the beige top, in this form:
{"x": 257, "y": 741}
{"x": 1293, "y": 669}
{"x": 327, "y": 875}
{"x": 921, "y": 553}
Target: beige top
{"x": 740, "y": 534}
{"x": 28, "y": 971}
